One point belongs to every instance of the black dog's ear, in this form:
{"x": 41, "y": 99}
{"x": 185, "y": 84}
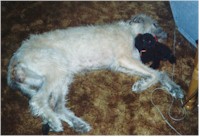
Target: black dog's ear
{"x": 139, "y": 35}
{"x": 138, "y": 38}
{"x": 139, "y": 42}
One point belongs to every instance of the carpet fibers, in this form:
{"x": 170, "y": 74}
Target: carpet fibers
{"x": 102, "y": 98}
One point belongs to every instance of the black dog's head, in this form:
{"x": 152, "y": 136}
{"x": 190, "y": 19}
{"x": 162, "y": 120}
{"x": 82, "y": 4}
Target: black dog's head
{"x": 145, "y": 41}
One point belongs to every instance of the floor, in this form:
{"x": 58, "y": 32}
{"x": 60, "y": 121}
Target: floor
{"x": 102, "y": 98}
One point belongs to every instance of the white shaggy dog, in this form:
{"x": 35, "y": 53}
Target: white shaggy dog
{"x": 44, "y": 66}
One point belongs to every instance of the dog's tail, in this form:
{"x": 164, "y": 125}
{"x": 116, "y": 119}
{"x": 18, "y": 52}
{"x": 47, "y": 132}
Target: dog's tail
{"x": 22, "y": 78}
{"x": 11, "y": 75}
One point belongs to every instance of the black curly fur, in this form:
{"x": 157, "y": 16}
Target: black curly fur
{"x": 154, "y": 51}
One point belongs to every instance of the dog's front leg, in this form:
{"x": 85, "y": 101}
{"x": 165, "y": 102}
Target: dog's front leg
{"x": 155, "y": 64}
{"x": 150, "y": 77}
{"x": 170, "y": 86}
{"x": 136, "y": 67}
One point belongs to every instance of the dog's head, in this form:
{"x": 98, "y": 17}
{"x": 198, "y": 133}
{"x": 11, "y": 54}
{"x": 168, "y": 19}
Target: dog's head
{"x": 144, "y": 24}
{"x": 145, "y": 42}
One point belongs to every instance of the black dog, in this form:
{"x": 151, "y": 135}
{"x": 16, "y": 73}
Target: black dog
{"x": 151, "y": 50}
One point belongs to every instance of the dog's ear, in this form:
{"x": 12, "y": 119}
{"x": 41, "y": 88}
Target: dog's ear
{"x": 138, "y": 38}
{"x": 139, "y": 42}
{"x": 137, "y": 19}
{"x": 139, "y": 35}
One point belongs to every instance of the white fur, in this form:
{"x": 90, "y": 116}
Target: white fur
{"x": 44, "y": 66}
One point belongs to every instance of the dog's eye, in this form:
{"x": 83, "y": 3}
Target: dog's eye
{"x": 155, "y": 25}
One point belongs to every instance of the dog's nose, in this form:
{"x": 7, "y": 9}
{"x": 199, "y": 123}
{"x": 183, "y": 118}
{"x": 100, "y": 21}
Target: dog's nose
{"x": 161, "y": 34}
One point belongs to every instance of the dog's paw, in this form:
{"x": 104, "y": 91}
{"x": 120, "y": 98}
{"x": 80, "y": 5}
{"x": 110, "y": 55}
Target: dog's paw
{"x": 80, "y": 126}
{"x": 177, "y": 92}
{"x": 55, "y": 125}
{"x": 139, "y": 86}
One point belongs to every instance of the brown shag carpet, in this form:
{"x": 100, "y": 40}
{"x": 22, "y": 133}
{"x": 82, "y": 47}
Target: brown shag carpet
{"x": 102, "y": 98}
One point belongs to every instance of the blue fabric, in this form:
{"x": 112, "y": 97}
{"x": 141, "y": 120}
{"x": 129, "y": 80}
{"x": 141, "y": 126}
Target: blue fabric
{"x": 185, "y": 14}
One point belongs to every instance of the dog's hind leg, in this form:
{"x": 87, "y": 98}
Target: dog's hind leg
{"x": 58, "y": 99}
{"x": 39, "y": 105}
{"x": 38, "y": 89}
{"x": 74, "y": 122}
